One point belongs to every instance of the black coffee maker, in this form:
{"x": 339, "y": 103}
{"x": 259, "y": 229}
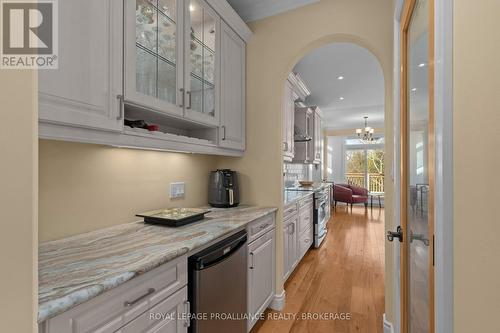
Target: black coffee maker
{"x": 223, "y": 191}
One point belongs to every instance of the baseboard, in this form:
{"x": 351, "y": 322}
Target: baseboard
{"x": 388, "y": 328}
{"x": 278, "y": 302}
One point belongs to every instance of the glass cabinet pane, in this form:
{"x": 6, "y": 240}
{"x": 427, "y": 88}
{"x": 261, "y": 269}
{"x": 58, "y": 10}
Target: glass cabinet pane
{"x": 202, "y": 59}
{"x": 156, "y": 73}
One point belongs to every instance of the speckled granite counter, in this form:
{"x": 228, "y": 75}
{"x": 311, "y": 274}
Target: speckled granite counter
{"x": 76, "y": 269}
{"x": 290, "y": 197}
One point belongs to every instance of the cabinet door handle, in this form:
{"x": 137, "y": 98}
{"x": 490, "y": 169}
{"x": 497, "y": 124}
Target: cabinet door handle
{"x": 251, "y": 261}
{"x": 135, "y": 301}
{"x": 223, "y": 132}
{"x": 182, "y": 98}
{"x": 285, "y": 146}
{"x": 188, "y": 311}
{"x": 189, "y": 99}
{"x": 121, "y": 106}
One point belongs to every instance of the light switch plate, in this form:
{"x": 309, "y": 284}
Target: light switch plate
{"x": 177, "y": 190}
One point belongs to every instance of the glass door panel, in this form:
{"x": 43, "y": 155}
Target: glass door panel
{"x": 152, "y": 59}
{"x": 203, "y": 34}
{"x": 418, "y": 235}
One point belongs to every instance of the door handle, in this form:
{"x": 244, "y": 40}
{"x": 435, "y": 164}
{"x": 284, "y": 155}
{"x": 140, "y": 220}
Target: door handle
{"x": 182, "y": 99}
{"x": 398, "y": 234}
{"x": 188, "y": 311}
{"x": 223, "y": 132}
{"x": 121, "y": 105}
{"x": 251, "y": 261}
{"x": 138, "y": 299}
{"x": 285, "y": 146}
{"x": 419, "y": 237}
{"x": 188, "y": 93}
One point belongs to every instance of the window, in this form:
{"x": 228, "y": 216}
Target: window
{"x": 364, "y": 163}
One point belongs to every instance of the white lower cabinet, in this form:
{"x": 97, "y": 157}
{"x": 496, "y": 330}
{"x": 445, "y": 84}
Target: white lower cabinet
{"x": 298, "y": 233}
{"x": 260, "y": 275}
{"x": 261, "y": 268}
{"x": 290, "y": 245}
{"x": 168, "y": 316}
{"x": 127, "y": 303}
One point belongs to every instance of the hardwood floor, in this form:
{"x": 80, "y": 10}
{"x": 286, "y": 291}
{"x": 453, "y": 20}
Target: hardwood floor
{"x": 345, "y": 275}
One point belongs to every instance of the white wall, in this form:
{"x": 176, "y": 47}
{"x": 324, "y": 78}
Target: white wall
{"x": 335, "y": 159}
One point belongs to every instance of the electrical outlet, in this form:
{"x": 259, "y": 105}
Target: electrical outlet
{"x": 177, "y": 190}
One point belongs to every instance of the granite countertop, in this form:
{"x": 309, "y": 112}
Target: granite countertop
{"x": 76, "y": 269}
{"x": 315, "y": 187}
{"x": 290, "y": 197}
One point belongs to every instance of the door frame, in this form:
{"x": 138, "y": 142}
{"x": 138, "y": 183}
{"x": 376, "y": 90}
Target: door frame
{"x": 408, "y": 11}
{"x": 443, "y": 122}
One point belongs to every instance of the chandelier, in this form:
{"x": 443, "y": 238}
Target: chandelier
{"x": 365, "y": 134}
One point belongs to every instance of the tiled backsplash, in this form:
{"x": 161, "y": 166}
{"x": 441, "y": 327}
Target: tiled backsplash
{"x": 294, "y": 172}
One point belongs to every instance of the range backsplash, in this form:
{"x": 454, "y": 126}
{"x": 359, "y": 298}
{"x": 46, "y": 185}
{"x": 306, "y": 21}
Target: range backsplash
{"x": 293, "y": 172}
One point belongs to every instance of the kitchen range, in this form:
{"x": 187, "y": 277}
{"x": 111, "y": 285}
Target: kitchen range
{"x": 321, "y": 194}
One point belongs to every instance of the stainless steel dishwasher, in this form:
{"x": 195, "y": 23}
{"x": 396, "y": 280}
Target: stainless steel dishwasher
{"x": 218, "y": 287}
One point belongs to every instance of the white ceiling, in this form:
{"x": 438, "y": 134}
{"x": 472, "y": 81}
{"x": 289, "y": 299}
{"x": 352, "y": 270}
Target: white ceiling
{"x": 252, "y": 10}
{"x": 362, "y": 87}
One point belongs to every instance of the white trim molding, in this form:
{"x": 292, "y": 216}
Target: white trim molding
{"x": 229, "y": 15}
{"x": 278, "y": 302}
{"x": 443, "y": 106}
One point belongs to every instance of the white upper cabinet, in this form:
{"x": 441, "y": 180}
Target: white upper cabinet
{"x": 318, "y": 136}
{"x": 232, "y": 122}
{"x": 85, "y": 90}
{"x": 154, "y": 54}
{"x": 289, "y": 98}
{"x": 175, "y": 64}
{"x": 202, "y": 61}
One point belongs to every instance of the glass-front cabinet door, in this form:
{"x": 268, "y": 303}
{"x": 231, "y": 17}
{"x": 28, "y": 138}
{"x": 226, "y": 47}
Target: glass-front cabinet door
{"x": 202, "y": 62}
{"x": 154, "y": 54}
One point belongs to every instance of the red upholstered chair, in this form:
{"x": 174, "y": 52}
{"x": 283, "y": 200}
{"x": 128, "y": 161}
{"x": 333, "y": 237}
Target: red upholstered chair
{"x": 350, "y": 194}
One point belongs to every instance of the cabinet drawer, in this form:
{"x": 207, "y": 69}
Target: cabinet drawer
{"x": 119, "y": 306}
{"x": 168, "y": 316}
{"x": 305, "y": 218}
{"x": 260, "y": 227}
{"x": 290, "y": 210}
{"x": 308, "y": 201}
{"x": 305, "y": 242}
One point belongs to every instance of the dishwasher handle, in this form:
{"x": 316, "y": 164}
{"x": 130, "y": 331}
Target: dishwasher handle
{"x": 219, "y": 252}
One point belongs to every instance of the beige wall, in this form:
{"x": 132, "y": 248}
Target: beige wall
{"x": 277, "y": 44}
{"x": 476, "y": 81}
{"x": 85, "y": 187}
{"x": 18, "y": 202}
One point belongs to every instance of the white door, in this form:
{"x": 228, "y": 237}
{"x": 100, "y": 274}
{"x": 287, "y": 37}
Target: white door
{"x": 202, "y": 62}
{"x": 154, "y": 55}
{"x": 85, "y": 90}
{"x": 260, "y": 274}
{"x": 232, "y": 117}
